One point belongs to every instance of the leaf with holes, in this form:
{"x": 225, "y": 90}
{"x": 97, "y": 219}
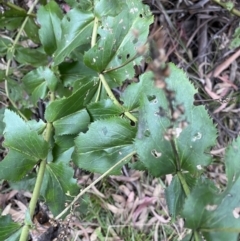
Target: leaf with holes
{"x": 163, "y": 143}
{"x": 124, "y": 41}
{"x": 200, "y": 134}
{"x": 217, "y": 214}
{"x": 106, "y": 142}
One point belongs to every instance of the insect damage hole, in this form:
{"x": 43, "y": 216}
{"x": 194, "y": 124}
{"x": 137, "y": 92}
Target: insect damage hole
{"x": 156, "y": 154}
{"x": 236, "y": 212}
{"x": 197, "y": 136}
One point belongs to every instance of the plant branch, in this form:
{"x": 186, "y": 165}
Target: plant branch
{"x": 113, "y": 98}
{"x": 103, "y": 81}
{"x": 94, "y": 33}
{"x": 226, "y": 5}
{"x": 38, "y": 184}
{"x": 17, "y": 8}
{"x": 93, "y": 183}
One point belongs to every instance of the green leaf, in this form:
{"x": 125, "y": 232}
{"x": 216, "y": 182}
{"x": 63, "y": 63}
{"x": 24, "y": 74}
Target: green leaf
{"x": 104, "y": 109}
{"x": 175, "y": 197}
{"x": 200, "y": 134}
{"x": 58, "y": 184}
{"x": 38, "y": 81}
{"x": 27, "y": 183}
{"x": 108, "y": 7}
{"x": 106, "y": 142}
{"x": 63, "y": 148}
{"x": 29, "y": 56}
{"x": 153, "y": 149}
{"x": 15, "y": 89}
{"x": 72, "y": 124}
{"x": 12, "y": 19}
{"x": 2, "y": 125}
{"x": 76, "y": 30}
{"x": 163, "y": 144}
{"x": 232, "y": 161}
{"x": 215, "y": 215}
{"x": 75, "y": 102}
{"x": 235, "y": 43}
{"x": 16, "y": 165}
{"x": 5, "y": 43}
{"x": 49, "y": 17}
{"x": 73, "y": 71}
{"x": 31, "y": 30}
{"x": 8, "y": 228}
{"x": 20, "y": 138}
{"x": 130, "y": 96}
{"x": 132, "y": 32}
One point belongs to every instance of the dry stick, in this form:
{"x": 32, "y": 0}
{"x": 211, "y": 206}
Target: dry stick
{"x": 224, "y": 65}
{"x": 93, "y": 183}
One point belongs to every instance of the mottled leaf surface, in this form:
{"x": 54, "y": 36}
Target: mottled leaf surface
{"x": 163, "y": 144}
{"x": 217, "y": 214}
{"x": 123, "y": 41}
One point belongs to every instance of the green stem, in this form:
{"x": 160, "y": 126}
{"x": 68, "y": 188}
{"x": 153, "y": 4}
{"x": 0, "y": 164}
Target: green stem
{"x": 39, "y": 180}
{"x": 224, "y": 5}
{"x": 103, "y": 81}
{"x": 187, "y": 192}
{"x": 17, "y": 8}
{"x": 184, "y": 183}
{"x": 93, "y": 183}
{"x": 94, "y": 33}
{"x": 113, "y": 98}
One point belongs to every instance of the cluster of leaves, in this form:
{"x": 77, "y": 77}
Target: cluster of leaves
{"x": 79, "y": 57}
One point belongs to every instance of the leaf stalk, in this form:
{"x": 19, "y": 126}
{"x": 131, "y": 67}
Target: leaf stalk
{"x": 39, "y": 180}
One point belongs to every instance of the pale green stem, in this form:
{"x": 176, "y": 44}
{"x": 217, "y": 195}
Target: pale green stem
{"x": 94, "y": 33}
{"x": 184, "y": 183}
{"x": 39, "y": 180}
{"x": 93, "y": 183}
{"x": 187, "y": 192}
{"x": 113, "y": 98}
